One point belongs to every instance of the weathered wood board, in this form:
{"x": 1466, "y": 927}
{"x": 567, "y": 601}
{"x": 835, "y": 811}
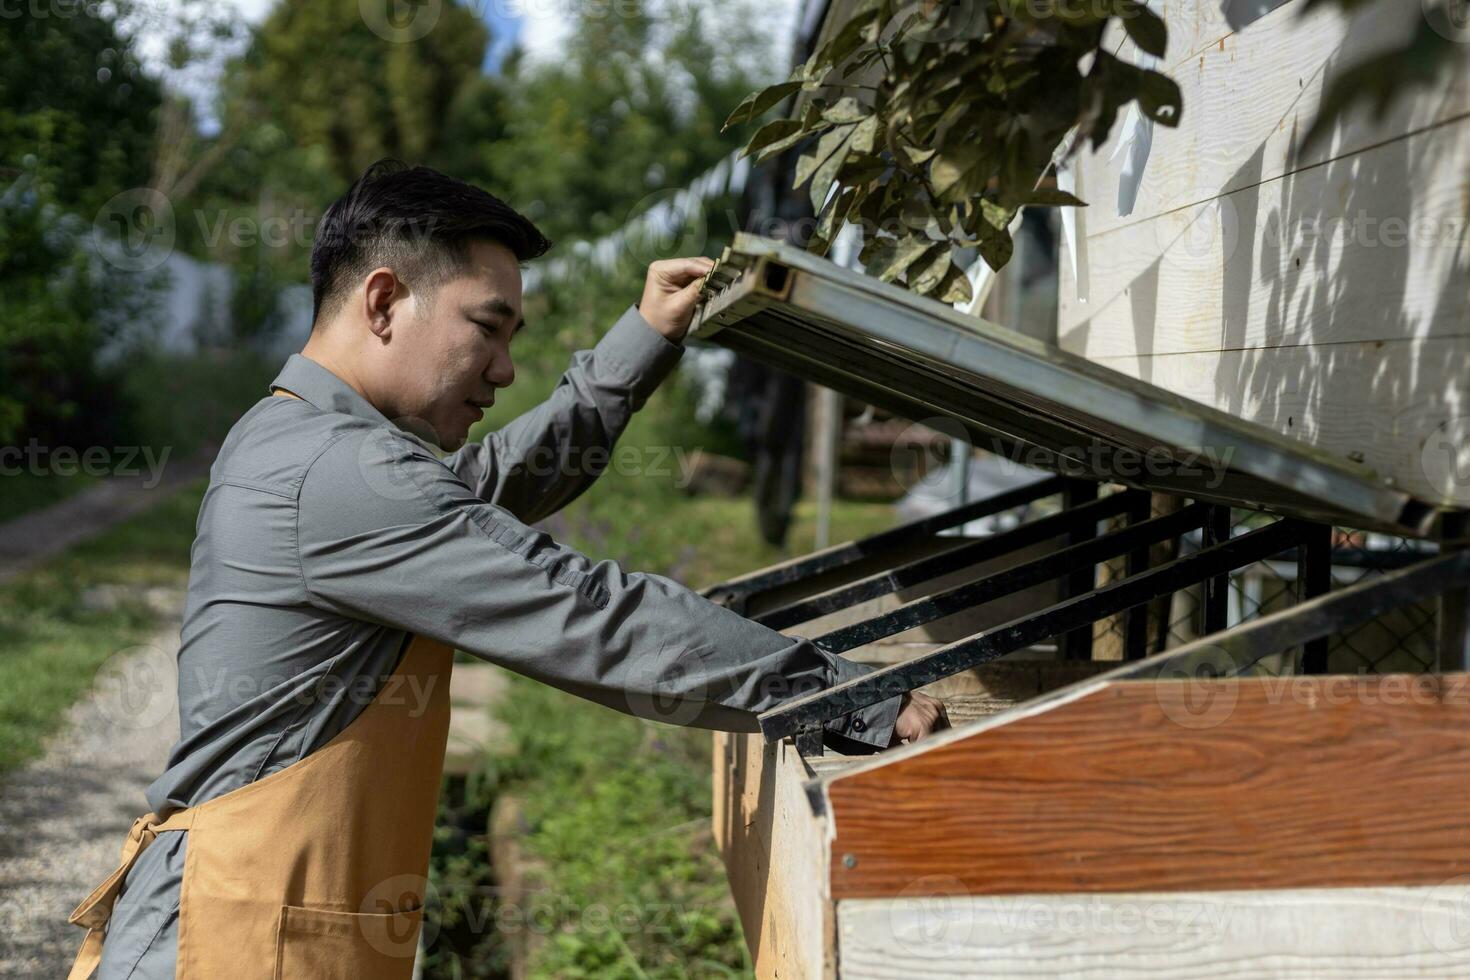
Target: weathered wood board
{"x": 1380, "y": 933}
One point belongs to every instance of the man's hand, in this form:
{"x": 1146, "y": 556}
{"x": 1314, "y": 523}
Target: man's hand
{"x": 670, "y": 293}
{"x": 919, "y": 715}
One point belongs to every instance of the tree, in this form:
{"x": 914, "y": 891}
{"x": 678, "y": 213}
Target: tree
{"x": 948, "y": 119}
{"x": 320, "y": 72}
{"x": 631, "y": 110}
{"x": 77, "y": 112}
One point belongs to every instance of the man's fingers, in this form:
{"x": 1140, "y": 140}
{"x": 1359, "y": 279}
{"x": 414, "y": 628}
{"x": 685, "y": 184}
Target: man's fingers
{"x": 681, "y": 272}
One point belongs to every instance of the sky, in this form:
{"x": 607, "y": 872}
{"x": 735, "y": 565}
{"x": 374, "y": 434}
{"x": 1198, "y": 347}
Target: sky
{"x": 540, "y": 27}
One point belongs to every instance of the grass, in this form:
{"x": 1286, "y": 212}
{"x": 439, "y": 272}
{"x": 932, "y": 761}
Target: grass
{"x": 53, "y": 643}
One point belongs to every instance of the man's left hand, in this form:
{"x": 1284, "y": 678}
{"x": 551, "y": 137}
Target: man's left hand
{"x": 919, "y": 715}
{"x": 670, "y": 294}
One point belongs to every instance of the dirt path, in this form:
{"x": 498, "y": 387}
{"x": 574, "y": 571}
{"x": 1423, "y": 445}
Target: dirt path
{"x": 64, "y": 817}
{"x": 30, "y": 539}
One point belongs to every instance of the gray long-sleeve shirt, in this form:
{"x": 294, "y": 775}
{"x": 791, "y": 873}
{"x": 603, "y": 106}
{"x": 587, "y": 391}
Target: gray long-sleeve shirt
{"x": 327, "y": 533}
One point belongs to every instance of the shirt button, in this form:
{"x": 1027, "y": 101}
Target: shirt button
{"x": 858, "y": 725}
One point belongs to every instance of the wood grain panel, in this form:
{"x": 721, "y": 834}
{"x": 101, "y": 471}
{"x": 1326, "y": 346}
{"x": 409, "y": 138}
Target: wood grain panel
{"x": 775, "y": 853}
{"x": 1174, "y": 785}
{"x": 1377, "y": 933}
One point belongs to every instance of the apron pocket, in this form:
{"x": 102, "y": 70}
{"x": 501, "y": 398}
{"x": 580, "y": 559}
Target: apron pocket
{"x": 320, "y": 944}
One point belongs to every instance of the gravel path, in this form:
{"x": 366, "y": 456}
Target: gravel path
{"x": 64, "y": 817}
{"x": 30, "y": 539}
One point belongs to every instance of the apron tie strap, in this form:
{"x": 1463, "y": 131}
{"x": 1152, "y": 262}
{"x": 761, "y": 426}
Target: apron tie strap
{"x": 96, "y": 909}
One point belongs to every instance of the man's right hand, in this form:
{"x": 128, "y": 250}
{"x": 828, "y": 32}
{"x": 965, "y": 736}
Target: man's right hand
{"x": 919, "y": 715}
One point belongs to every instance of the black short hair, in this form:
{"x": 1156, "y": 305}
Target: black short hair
{"x": 415, "y": 220}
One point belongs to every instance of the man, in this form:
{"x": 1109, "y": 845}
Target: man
{"x": 337, "y": 563}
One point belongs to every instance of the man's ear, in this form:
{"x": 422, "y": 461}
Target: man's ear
{"x": 380, "y": 290}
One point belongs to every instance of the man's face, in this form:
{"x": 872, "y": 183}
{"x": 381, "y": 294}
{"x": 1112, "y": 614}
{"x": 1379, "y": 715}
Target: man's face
{"x": 455, "y": 354}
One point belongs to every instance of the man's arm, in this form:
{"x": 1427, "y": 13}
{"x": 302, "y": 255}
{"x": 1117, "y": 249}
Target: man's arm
{"x": 543, "y": 460}
{"x": 389, "y": 534}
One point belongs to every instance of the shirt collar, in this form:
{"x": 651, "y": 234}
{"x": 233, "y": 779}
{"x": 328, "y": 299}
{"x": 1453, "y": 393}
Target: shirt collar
{"x": 321, "y": 388}
{"x": 313, "y": 383}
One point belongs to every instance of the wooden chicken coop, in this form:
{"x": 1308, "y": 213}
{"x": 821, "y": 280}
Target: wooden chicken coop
{"x": 1249, "y": 385}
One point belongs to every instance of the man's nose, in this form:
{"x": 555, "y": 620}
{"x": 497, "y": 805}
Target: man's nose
{"x": 502, "y": 373}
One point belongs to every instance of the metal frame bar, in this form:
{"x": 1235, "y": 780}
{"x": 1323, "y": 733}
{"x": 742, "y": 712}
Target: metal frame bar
{"x": 1217, "y": 588}
{"x": 1088, "y": 553}
{"x": 812, "y": 711}
{"x": 1314, "y": 578}
{"x": 1235, "y": 651}
{"x": 930, "y": 359}
{"x": 924, "y": 569}
{"x": 737, "y": 592}
{"x": 1135, "y": 623}
{"x": 1077, "y": 644}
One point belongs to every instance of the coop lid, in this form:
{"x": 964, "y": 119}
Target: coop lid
{"x": 1026, "y": 400}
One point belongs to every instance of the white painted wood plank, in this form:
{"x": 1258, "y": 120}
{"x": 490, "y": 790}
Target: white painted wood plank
{"x": 1371, "y": 933}
{"x": 1401, "y": 407}
{"x": 1250, "y": 96}
{"x": 1369, "y": 247}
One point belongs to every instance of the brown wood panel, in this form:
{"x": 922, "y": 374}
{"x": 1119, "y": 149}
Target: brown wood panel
{"x": 1174, "y": 785}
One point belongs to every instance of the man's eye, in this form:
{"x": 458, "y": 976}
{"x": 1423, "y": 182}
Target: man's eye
{"x": 490, "y": 327}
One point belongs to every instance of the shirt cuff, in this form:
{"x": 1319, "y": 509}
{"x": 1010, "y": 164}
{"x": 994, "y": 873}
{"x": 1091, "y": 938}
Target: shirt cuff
{"x": 866, "y": 730}
{"x": 637, "y": 355}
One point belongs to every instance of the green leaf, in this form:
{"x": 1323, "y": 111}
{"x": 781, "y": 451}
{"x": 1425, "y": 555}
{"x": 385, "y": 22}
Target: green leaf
{"x": 926, "y": 273}
{"x": 950, "y": 165}
{"x": 954, "y": 287}
{"x": 894, "y": 256}
{"x": 755, "y": 104}
{"x": 847, "y": 110}
{"x": 866, "y": 135}
{"x": 1159, "y": 98}
{"x": 779, "y": 129}
{"x": 996, "y": 250}
{"x": 1144, "y": 26}
{"x": 830, "y": 142}
{"x": 1053, "y": 197}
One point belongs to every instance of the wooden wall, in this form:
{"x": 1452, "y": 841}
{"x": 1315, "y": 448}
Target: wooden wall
{"x": 1324, "y": 294}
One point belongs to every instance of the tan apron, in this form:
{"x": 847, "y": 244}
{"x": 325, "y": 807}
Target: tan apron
{"x": 318, "y": 870}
